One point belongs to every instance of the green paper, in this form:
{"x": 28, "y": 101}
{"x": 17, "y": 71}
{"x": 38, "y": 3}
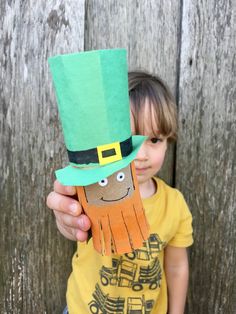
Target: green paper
{"x": 93, "y": 101}
{"x": 82, "y": 177}
{"x": 92, "y": 95}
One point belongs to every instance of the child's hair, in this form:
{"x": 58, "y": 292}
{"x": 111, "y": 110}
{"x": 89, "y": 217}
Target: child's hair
{"x": 149, "y": 90}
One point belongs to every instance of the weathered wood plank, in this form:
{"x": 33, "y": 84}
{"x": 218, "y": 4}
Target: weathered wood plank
{"x": 206, "y": 153}
{"x": 34, "y": 257}
{"x": 34, "y": 263}
{"x": 148, "y": 29}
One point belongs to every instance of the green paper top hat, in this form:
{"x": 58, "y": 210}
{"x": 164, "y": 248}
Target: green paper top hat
{"x": 93, "y": 101}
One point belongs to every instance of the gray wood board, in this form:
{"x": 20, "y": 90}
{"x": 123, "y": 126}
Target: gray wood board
{"x": 35, "y": 261}
{"x": 206, "y": 150}
{"x": 149, "y": 30}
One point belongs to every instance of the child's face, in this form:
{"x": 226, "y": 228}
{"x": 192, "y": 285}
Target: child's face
{"x": 151, "y": 155}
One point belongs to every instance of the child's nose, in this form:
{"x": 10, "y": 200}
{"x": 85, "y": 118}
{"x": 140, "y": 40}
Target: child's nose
{"x": 142, "y": 153}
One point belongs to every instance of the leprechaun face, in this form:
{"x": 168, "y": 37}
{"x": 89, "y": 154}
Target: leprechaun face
{"x": 116, "y": 212}
{"x": 113, "y": 189}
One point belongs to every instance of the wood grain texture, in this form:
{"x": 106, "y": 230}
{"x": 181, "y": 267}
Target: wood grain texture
{"x": 35, "y": 261}
{"x": 206, "y": 151}
{"x": 34, "y": 258}
{"x": 149, "y": 30}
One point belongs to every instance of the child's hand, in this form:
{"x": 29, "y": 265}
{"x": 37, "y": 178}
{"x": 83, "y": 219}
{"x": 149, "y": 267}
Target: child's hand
{"x": 68, "y": 212}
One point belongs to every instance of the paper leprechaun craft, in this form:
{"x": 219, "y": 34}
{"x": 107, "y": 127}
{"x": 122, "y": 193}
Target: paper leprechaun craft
{"x": 93, "y": 101}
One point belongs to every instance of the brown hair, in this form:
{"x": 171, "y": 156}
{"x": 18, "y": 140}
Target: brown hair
{"x": 161, "y": 104}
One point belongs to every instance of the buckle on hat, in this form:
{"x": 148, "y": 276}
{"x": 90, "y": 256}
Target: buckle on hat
{"x": 109, "y": 153}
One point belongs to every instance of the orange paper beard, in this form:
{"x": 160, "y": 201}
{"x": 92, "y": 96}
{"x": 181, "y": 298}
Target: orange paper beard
{"x": 117, "y": 227}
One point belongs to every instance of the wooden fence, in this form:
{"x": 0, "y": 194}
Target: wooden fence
{"x": 192, "y": 45}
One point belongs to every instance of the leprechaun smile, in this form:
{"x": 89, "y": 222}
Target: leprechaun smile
{"x": 118, "y": 199}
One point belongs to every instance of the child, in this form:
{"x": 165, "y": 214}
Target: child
{"x": 152, "y": 279}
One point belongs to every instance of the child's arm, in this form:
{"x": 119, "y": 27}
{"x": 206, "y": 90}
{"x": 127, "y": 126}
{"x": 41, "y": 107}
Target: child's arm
{"x": 177, "y": 272}
{"x": 68, "y": 212}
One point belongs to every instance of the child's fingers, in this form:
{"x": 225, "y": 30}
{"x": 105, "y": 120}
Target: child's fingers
{"x": 62, "y": 189}
{"x": 81, "y": 222}
{"x": 85, "y": 222}
{"x": 70, "y": 222}
{"x": 71, "y": 227}
{"x": 63, "y": 204}
{"x": 69, "y": 233}
{"x": 81, "y": 235}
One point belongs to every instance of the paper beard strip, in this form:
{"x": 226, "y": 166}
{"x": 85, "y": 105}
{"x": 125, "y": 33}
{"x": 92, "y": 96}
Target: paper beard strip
{"x": 115, "y": 208}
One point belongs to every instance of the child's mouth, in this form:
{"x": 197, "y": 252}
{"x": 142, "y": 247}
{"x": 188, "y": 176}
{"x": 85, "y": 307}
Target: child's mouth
{"x": 141, "y": 170}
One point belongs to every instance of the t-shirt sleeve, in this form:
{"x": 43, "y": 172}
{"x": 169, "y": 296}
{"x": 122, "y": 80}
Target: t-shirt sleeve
{"x": 184, "y": 234}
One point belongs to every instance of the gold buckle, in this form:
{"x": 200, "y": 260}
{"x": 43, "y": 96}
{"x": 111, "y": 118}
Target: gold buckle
{"x": 108, "y": 159}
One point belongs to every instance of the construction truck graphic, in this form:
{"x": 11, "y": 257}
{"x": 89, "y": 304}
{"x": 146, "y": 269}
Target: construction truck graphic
{"x": 139, "y": 306}
{"x": 150, "y": 249}
{"x": 125, "y": 273}
{"x": 103, "y": 303}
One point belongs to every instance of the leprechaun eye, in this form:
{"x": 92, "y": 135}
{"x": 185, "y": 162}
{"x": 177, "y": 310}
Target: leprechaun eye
{"x": 103, "y": 182}
{"x": 120, "y": 176}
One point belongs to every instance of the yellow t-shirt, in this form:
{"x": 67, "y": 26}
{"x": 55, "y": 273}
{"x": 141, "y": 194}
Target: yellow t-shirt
{"x": 133, "y": 282}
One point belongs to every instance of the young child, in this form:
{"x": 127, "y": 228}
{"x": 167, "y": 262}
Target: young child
{"x": 152, "y": 279}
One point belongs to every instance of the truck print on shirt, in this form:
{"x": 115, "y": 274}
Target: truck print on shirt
{"x": 150, "y": 249}
{"x": 140, "y": 271}
{"x": 124, "y": 273}
{"x": 104, "y": 304}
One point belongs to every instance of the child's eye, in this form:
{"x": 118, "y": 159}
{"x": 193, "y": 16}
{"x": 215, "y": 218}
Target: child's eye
{"x": 155, "y": 140}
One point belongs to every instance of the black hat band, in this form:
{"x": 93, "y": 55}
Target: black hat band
{"x": 102, "y": 153}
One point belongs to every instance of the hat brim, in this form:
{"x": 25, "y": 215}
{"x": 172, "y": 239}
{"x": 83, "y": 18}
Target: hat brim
{"x": 81, "y": 177}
